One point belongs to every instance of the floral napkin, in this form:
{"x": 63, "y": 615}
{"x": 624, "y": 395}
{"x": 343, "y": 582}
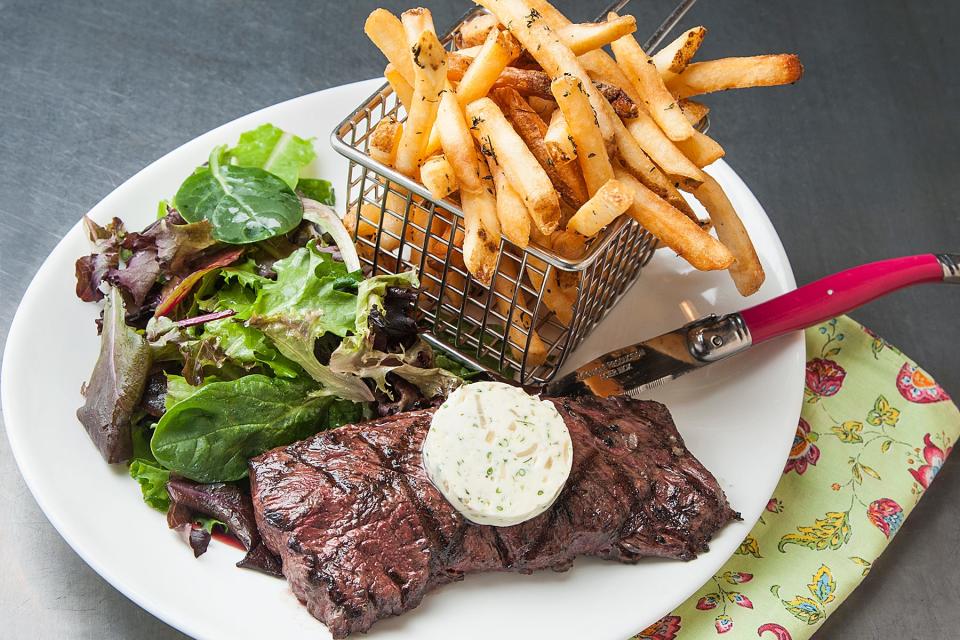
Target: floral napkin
{"x": 873, "y": 433}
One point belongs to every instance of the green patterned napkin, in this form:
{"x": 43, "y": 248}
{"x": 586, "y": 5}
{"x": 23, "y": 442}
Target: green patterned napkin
{"x": 873, "y": 433}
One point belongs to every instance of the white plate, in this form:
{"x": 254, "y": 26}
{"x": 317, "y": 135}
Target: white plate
{"x": 738, "y": 417}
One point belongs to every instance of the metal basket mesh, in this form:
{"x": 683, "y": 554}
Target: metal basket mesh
{"x": 507, "y": 328}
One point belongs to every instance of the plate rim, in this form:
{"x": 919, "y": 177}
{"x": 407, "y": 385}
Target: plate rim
{"x": 129, "y": 588}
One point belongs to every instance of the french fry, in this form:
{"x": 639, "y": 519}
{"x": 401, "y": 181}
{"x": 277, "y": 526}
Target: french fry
{"x": 557, "y": 299}
{"x": 558, "y": 139}
{"x": 531, "y": 82}
{"x": 448, "y": 262}
{"x": 511, "y": 212}
{"x": 474, "y": 31}
{"x": 391, "y": 223}
{"x": 430, "y": 75}
{"x": 552, "y": 16}
{"x": 362, "y": 231}
{"x": 736, "y": 73}
{"x": 481, "y": 245}
{"x": 400, "y": 86}
{"x": 694, "y": 111}
{"x": 588, "y": 36}
{"x": 523, "y": 339}
{"x": 542, "y": 106}
{"x": 673, "y": 228}
{"x": 499, "y": 50}
{"x": 674, "y": 57}
{"x": 569, "y": 244}
{"x": 481, "y": 238}
{"x": 457, "y": 143}
{"x": 437, "y": 175}
{"x": 416, "y": 21}
{"x": 746, "y": 270}
{"x": 566, "y": 178}
{"x": 661, "y": 149}
{"x": 604, "y": 207}
{"x": 468, "y": 52}
{"x": 560, "y": 290}
{"x": 386, "y": 32}
{"x": 701, "y": 149}
{"x": 364, "y": 227}
{"x": 647, "y": 81}
{"x": 620, "y": 100}
{"x": 639, "y": 164}
{"x": 602, "y": 68}
{"x": 573, "y": 101}
{"x": 572, "y": 246}
{"x": 556, "y": 58}
{"x": 490, "y": 217}
{"x": 496, "y": 137}
{"x": 385, "y": 139}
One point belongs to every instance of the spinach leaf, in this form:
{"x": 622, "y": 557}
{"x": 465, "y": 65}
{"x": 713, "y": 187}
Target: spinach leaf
{"x": 244, "y": 204}
{"x": 272, "y": 149}
{"x": 179, "y": 389}
{"x": 152, "y": 479}
{"x": 316, "y": 189}
{"x": 116, "y": 383}
{"x": 210, "y": 435}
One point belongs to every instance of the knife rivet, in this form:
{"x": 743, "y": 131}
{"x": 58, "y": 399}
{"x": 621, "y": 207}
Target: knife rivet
{"x": 716, "y": 341}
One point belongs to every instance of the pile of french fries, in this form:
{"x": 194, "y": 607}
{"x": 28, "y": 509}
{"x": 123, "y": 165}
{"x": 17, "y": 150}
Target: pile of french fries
{"x": 545, "y": 137}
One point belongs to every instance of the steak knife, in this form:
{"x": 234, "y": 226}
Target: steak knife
{"x": 654, "y": 362}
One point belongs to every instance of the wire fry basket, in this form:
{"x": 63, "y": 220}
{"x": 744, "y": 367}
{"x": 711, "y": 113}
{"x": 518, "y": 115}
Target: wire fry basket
{"x": 507, "y": 328}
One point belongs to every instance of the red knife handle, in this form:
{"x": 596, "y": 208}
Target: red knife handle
{"x": 841, "y": 292}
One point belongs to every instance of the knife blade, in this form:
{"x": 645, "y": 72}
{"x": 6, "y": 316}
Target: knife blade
{"x": 646, "y": 365}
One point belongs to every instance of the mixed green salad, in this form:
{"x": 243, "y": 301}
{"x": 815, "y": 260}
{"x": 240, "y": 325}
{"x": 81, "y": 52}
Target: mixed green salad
{"x": 240, "y": 320}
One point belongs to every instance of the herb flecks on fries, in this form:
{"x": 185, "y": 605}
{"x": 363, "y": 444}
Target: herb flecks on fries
{"x": 544, "y": 138}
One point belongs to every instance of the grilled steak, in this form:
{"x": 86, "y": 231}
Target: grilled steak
{"x": 363, "y": 534}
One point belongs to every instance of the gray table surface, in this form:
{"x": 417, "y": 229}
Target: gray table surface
{"x": 856, "y": 162}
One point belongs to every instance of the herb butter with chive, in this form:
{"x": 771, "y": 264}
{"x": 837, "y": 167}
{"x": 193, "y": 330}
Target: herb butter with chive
{"x": 499, "y": 455}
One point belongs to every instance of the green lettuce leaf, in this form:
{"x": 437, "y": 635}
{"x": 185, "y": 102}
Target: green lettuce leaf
{"x": 233, "y": 288}
{"x": 313, "y": 295}
{"x": 316, "y": 189}
{"x": 272, "y": 149}
{"x": 248, "y": 346}
{"x": 152, "y": 479}
{"x": 356, "y": 354}
{"x": 209, "y": 435}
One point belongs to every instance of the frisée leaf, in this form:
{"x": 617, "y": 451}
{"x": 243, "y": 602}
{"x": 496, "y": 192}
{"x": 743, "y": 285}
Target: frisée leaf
{"x": 243, "y": 204}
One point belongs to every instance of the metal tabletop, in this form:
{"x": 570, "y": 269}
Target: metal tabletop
{"x": 856, "y": 162}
